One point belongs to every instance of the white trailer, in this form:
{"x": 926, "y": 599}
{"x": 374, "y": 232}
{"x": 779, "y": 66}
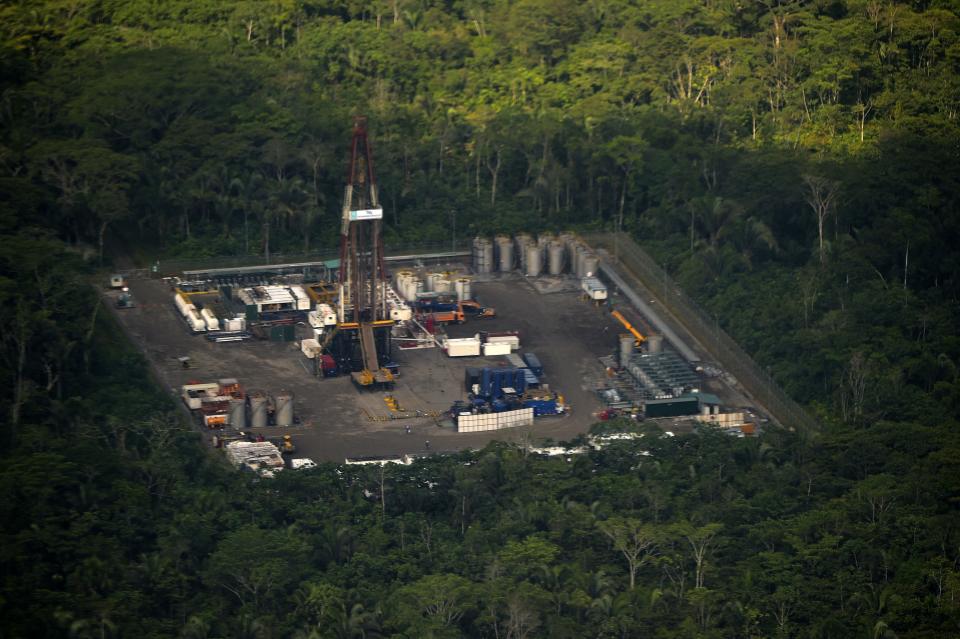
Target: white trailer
{"x": 594, "y": 288}
{"x": 210, "y": 320}
{"x": 197, "y": 325}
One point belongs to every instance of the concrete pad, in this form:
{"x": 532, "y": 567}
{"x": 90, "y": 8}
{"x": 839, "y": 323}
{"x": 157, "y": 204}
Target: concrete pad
{"x": 337, "y": 420}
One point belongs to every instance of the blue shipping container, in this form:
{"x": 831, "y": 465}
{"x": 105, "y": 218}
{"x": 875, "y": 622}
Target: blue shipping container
{"x": 494, "y": 380}
{"x": 533, "y": 363}
{"x": 530, "y": 379}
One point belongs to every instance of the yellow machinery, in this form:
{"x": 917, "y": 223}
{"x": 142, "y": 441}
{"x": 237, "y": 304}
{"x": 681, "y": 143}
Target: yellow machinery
{"x": 627, "y": 325}
{"x": 322, "y": 293}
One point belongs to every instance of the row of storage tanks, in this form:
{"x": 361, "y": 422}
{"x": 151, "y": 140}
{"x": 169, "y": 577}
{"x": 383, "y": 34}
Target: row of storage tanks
{"x": 546, "y": 254}
{"x": 410, "y": 286}
{"x": 257, "y": 407}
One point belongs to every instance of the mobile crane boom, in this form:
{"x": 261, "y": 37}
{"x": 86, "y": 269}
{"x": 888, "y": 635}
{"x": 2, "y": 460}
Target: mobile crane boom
{"x": 627, "y": 325}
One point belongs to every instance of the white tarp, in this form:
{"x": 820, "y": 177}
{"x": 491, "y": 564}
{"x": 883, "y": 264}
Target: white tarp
{"x": 467, "y": 423}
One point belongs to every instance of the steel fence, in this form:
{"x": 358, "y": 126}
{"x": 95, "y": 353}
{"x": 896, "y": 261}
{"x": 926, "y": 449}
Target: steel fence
{"x": 175, "y": 266}
{"x": 707, "y": 331}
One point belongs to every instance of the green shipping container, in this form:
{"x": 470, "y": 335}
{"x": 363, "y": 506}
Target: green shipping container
{"x": 672, "y": 407}
{"x": 277, "y": 334}
{"x": 252, "y": 314}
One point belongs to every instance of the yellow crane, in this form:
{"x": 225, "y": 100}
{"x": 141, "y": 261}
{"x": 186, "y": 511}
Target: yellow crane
{"x": 627, "y": 325}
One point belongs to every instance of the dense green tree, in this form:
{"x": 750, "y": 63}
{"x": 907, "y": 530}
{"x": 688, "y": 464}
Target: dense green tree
{"x": 793, "y": 164}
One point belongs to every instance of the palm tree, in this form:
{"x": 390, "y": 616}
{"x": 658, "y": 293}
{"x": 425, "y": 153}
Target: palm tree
{"x": 359, "y": 622}
{"x": 713, "y": 215}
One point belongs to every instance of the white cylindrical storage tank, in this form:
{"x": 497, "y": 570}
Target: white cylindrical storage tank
{"x": 505, "y": 246}
{"x": 443, "y": 285}
{"x": 413, "y": 287}
{"x": 566, "y": 239}
{"x": 590, "y": 264}
{"x": 284, "y": 408}
{"x": 534, "y": 261}
{"x": 521, "y": 241}
{"x": 401, "y": 276}
{"x": 626, "y": 349}
{"x": 555, "y": 258}
{"x": 582, "y": 252}
{"x": 570, "y": 246}
{"x": 463, "y": 288}
{"x": 654, "y": 343}
{"x": 258, "y": 409}
{"x": 483, "y": 255}
{"x": 488, "y": 256}
{"x": 576, "y": 260}
{"x": 238, "y": 414}
{"x": 430, "y": 282}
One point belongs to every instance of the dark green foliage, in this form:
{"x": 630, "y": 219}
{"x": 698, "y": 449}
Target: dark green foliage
{"x": 711, "y": 131}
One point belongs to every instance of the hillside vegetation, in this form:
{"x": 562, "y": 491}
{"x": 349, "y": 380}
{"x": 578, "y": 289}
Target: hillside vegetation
{"x": 794, "y": 164}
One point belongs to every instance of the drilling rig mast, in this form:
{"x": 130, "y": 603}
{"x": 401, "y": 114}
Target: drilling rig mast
{"x": 362, "y": 312}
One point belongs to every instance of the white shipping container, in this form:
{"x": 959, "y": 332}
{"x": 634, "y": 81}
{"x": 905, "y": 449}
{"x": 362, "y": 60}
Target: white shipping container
{"x": 496, "y": 348}
{"x": 512, "y": 340}
{"x": 466, "y": 347}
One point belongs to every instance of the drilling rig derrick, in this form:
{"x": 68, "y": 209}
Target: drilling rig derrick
{"x": 362, "y": 342}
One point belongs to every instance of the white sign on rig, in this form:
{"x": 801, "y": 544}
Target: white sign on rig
{"x": 366, "y": 214}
